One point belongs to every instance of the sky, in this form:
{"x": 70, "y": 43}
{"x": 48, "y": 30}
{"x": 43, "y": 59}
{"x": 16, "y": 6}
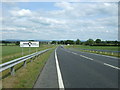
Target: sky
{"x": 59, "y": 20}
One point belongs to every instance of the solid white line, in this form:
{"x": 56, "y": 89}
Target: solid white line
{"x": 112, "y": 66}
{"x": 60, "y": 80}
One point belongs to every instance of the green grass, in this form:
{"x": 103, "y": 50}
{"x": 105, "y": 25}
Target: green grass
{"x": 12, "y": 52}
{"x": 114, "y": 48}
{"x": 25, "y": 77}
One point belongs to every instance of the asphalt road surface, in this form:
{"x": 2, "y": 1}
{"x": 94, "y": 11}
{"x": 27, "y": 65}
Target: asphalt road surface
{"x": 67, "y": 68}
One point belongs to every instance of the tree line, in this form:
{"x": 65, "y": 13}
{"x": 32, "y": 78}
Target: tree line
{"x": 8, "y": 43}
{"x": 90, "y": 42}
{"x": 17, "y": 43}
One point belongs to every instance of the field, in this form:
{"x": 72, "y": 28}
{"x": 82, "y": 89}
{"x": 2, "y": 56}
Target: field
{"x": 12, "y": 52}
{"x": 114, "y": 48}
{"x": 92, "y": 48}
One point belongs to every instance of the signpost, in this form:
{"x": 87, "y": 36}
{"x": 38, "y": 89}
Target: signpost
{"x": 29, "y": 44}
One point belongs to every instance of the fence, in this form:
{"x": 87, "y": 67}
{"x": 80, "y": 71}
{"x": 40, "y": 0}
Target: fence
{"x": 14, "y": 62}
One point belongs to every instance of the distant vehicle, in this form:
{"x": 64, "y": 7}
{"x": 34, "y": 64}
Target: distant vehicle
{"x": 61, "y": 46}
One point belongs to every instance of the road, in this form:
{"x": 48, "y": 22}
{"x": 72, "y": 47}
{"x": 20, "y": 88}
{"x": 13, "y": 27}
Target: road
{"x": 67, "y": 68}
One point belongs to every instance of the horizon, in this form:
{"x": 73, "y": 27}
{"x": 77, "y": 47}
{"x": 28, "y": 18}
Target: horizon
{"x": 51, "y": 40}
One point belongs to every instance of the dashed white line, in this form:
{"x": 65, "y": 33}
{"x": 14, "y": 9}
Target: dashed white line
{"x": 82, "y": 56}
{"x": 74, "y": 53}
{"x": 93, "y": 59}
{"x": 112, "y": 66}
{"x": 86, "y": 57}
{"x": 100, "y": 55}
{"x": 60, "y": 80}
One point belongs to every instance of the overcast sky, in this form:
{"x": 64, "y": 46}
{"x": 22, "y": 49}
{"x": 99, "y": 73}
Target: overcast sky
{"x": 59, "y": 20}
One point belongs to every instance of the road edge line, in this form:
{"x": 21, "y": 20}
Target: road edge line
{"x": 60, "y": 80}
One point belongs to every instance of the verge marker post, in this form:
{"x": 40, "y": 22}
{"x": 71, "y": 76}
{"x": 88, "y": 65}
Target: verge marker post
{"x": 22, "y": 51}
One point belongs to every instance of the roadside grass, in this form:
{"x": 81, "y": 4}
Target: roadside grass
{"x": 80, "y": 47}
{"x": 114, "y": 48}
{"x": 25, "y": 77}
{"x": 13, "y": 52}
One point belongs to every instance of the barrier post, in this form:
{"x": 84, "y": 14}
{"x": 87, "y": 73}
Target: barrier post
{"x": 12, "y": 71}
{"x": 24, "y": 64}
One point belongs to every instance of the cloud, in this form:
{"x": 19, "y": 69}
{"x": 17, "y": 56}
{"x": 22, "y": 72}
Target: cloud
{"x": 22, "y": 12}
{"x": 64, "y": 5}
{"x": 60, "y": 0}
{"x": 69, "y": 21}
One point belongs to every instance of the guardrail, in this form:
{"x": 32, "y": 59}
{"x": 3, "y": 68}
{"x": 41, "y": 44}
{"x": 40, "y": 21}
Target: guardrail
{"x": 14, "y": 62}
{"x": 102, "y": 51}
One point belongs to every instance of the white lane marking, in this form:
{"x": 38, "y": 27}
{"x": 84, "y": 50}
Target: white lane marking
{"x": 86, "y": 57}
{"x": 66, "y": 51}
{"x": 100, "y": 55}
{"x": 80, "y": 55}
{"x": 60, "y": 80}
{"x": 74, "y": 53}
{"x": 103, "y": 63}
{"x": 112, "y": 66}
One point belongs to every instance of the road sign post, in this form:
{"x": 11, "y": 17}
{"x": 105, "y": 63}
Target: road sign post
{"x": 29, "y": 44}
{"x": 22, "y": 51}
{"x": 29, "y": 50}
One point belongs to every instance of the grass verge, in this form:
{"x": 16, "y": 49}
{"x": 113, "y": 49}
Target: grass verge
{"x": 25, "y": 77}
{"x": 113, "y": 48}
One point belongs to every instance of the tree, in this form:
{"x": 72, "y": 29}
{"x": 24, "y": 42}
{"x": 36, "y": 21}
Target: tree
{"x": 61, "y": 42}
{"x": 116, "y": 42}
{"x": 69, "y": 42}
{"x": 5, "y": 42}
{"x": 89, "y": 42}
{"x": 98, "y": 40}
{"x": 58, "y": 42}
{"x": 17, "y": 43}
{"x": 78, "y": 42}
{"x": 53, "y": 42}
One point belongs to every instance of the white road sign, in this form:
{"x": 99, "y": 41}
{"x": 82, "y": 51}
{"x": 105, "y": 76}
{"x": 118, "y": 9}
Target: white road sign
{"x": 29, "y": 44}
